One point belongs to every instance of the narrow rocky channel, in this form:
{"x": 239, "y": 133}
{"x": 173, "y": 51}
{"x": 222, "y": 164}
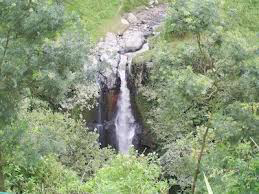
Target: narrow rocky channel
{"x": 117, "y": 121}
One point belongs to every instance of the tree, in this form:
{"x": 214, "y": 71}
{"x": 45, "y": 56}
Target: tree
{"x": 196, "y": 17}
{"x": 37, "y": 57}
{"x": 204, "y": 100}
{"x": 37, "y": 135}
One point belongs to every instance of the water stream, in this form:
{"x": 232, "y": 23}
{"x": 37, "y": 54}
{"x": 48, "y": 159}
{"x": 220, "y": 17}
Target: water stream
{"x": 125, "y": 122}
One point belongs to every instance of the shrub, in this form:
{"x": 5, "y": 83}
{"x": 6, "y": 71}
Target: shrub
{"x": 128, "y": 174}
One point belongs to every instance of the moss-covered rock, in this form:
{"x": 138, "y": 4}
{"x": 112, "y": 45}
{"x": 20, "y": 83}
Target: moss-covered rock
{"x": 143, "y": 58}
{"x": 141, "y": 64}
{"x": 139, "y": 76}
{"x": 143, "y": 106}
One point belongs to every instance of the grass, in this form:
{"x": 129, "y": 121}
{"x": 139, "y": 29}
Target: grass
{"x": 96, "y": 14}
{"x": 128, "y": 5}
{"x": 101, "y": 16}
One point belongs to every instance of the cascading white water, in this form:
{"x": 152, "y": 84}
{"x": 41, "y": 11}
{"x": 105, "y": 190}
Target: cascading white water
{"x": 125, "y": 121}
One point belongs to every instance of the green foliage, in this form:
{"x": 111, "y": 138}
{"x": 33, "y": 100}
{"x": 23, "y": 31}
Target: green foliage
{"x": 177, "y": 163}
{"x": 100, "y": 16}
{"x": 47, "y": 176}
{"x": 94, "y": 14}
{"x": 208, "y": 85}
{"x": 34, "y": 61}
{"x": 207, "y": 184}
{"x": 231, "y": 170}
{"x": 39, "y": 57}
{"x": 128, "y": 5}
{"x": 242, "y": 14}
{"x": 143, "y": 58}
{"x": 180, "y": 102}
{"x": 191, "y": 16}
{"x": 128, "y": 174}
{"x": 38, "y": 134}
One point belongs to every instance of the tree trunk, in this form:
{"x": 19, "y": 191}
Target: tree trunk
{"x": 197, "y": 171}
{"x": 207, "y": 63}
{"x": 2, "y": 188}
{"x": 198, "y": 36}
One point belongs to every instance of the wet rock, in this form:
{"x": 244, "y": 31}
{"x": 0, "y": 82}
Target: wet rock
{"x": 108, "y": 50}
{"x": 108, "y": 45}
{"x": 133, "y": 40}
{"x": 107, "y": 55}
{"x": 108, "y": 79}
{"x": 110, "y": 133}
{"x": 111, "y": 59}
{"x": 148, "y": 31}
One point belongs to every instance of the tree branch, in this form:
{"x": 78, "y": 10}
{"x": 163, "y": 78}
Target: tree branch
{"x": 197, "y": 171}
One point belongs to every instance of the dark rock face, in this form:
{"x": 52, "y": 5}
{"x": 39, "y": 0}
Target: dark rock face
{"x": 146, "y": 141}
{"x": 106, "y": 115}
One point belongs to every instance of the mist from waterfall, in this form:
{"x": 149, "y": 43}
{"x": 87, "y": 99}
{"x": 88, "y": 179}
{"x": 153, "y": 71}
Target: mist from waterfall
{"x": 125, "y": 121}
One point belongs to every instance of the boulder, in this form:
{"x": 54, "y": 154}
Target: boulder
{"x": 108, "y": 51}
{"x": 124, "y": 21}
{"x": 132, "y": 18}
{"x": 111, "y": 42}
{"x": 133, "y": 41}
{"x": 153, "y": 3}
{"x": 123, "y": 26}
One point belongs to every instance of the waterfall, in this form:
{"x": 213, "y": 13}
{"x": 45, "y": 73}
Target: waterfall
{"x": 125, "y": 121}
{"x": 113, "y": 58}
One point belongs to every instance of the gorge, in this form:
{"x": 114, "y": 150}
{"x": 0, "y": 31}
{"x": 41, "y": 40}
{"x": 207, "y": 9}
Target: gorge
{"x": 117, "y": 116}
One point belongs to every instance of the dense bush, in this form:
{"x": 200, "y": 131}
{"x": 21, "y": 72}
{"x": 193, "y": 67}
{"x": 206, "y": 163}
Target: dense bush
{"x": 191, "y": 16}
{"x": 128, "y": 174}
{"x": 40, "y": 134}
{"x": 204, "y": 98}
{"x": 47, "y": 176}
